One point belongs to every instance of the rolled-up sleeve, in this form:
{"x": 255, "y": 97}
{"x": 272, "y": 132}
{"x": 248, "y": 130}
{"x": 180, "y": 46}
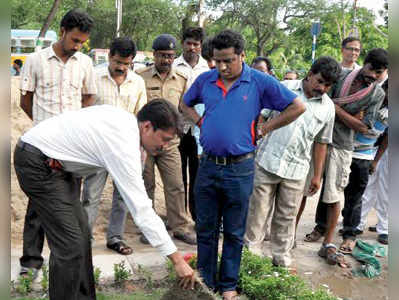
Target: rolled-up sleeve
{"x": 28, "y": 75}
{"x": 325, "y": 134}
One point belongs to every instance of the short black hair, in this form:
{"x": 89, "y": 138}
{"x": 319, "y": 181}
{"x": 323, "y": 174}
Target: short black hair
{"x": 162, "y": 114}
{"x": 18, "y": 62}
{"x": 207, "y": 50}
{"x": 328, "y": 67}
{"x": 196, "y": 33}
{"x": 378, "y": 58}
{"x": 350, "y": 39}
{"x": 229, "y": 38}
{"x": 292, "y": 71}
{"x": 77, "y": 18}
{"x": 123, "y": 46}
{"x": 258, "y": 59}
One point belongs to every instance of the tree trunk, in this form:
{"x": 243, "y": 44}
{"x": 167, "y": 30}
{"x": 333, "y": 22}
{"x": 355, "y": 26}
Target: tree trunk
{"x": 50, "y": 18}
{"x": 201, "y": 13}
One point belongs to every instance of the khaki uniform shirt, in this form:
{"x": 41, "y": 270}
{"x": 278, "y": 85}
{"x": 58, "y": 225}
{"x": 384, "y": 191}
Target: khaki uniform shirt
{"x": 130, "y": 95}
{"x": 172, "y": 88}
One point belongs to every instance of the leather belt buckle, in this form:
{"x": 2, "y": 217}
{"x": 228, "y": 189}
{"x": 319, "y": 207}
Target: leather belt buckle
{"x": 222, "y": 161}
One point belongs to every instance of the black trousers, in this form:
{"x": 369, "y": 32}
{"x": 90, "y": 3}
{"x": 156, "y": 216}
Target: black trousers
{"x": 358, "y": 180}
{"x": 352, "y": 211}
{"x": 189, "y": 159}
{"x": 55, "y": 197}
{"x": 33, "y": 239}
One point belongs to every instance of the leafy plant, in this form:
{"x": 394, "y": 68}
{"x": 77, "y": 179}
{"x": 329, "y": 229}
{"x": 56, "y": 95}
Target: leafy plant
{"x": 97, "y": 274}
{"x": 147, "y": 276}
{"x": 44, "y": 281}
{"x": 24, "y": 285}
{"x": 121, "y": 273}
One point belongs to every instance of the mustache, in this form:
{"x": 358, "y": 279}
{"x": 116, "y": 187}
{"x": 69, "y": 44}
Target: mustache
{"x": 119, "y": 71}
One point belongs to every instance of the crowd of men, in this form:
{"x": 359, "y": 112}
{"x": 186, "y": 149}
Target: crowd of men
{"x": 237, "y": 150}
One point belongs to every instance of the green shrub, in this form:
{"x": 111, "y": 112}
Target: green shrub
{"x": 121, "y": 273}
{"x": 24, "y": 285}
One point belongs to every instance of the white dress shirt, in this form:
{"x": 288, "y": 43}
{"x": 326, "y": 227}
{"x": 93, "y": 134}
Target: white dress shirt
{"x": 105, "y": 137}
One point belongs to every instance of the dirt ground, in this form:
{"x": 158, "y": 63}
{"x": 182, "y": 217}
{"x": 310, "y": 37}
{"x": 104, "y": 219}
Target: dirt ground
{"x": 308, "y": 264}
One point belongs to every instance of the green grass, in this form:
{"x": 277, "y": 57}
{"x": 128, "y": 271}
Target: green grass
{"x": 155, "y": 295}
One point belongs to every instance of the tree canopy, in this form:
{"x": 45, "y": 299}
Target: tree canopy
{"x": 279, "y": 29}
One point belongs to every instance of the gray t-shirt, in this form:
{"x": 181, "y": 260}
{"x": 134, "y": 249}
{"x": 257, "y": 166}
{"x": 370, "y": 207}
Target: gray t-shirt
{"x": 343, "y": 136}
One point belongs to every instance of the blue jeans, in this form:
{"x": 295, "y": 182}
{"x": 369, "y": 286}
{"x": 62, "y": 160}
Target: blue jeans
{"x": 222, "y": 191}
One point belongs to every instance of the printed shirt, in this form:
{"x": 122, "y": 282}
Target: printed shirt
{"x": 130, "y": 95}
{"x": 228, "y": 126}
{"x": 57, "y": 86}
{"x": 286, "y": 151}
{"x": 343, "y": 136}
{"x": 108, "y": 138}
{"x": 192, "y": 74}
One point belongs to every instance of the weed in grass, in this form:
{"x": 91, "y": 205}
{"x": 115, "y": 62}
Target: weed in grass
{"x": 147, "y": 276}
{"x": 121, "y": 273}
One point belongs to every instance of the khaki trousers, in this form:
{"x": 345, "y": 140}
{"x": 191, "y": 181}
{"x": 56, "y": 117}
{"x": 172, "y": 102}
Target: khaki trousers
{"x": 169, "y": 166}
{"x": 286, "y": 195}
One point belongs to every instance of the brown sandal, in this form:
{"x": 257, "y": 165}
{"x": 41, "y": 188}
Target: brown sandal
{"x": 332, "y": 256}
{"x": 314, "y": 236}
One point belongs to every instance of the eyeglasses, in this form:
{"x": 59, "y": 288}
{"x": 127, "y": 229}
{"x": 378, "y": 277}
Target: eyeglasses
{"x": 165, "y": 55}
{"x": 357, "y": 50}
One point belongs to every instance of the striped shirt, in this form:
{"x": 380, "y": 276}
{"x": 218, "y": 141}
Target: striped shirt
{"x": 56, "y": 86}
{"x": 130, "y": 95}
{"x": 286, "y": 152}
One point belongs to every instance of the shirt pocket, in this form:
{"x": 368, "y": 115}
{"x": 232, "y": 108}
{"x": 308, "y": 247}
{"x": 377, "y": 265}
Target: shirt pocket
{"x": 173, "y": 95}
{"x": 153, "y": 92}
{"x": 75, "y": 88}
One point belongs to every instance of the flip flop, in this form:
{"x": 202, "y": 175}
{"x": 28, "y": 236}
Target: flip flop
{"x": 347, "y": 246}
{"x": 120, "y": 247}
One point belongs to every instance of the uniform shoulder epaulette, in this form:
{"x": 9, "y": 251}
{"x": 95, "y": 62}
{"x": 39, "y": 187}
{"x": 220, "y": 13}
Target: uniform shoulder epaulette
{"x": 178, "y": 72}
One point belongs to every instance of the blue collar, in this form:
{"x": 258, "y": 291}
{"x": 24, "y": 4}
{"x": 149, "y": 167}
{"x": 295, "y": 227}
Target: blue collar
{"x": 245, "y": 74}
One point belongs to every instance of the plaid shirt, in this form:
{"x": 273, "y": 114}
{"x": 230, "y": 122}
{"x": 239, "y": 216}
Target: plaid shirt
{"x": 56, "y": 86}
{"x": 286, "y": 151}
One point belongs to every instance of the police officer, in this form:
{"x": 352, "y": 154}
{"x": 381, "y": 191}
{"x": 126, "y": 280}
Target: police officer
{"x": 162, "y": 80}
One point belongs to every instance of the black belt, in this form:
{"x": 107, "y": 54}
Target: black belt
{"x": 29, "y": 148}
{"x": 227, "y": 160}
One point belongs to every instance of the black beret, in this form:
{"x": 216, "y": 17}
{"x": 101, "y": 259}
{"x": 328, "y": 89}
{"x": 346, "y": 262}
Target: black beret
{"x": 164, "y": 42}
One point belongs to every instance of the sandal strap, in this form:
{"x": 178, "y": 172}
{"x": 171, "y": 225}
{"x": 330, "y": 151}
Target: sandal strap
{"x": 330, "y": 245}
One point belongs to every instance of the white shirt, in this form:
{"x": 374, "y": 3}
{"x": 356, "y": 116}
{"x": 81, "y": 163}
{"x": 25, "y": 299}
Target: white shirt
{"x": 56, "y": 86}
{"x": 192, "y": 74}
{"x": 131, "y": 95}
{"x": 286, "y": 151}
{"x": 355, "y": 67}
{"x": 109, "y": 138}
